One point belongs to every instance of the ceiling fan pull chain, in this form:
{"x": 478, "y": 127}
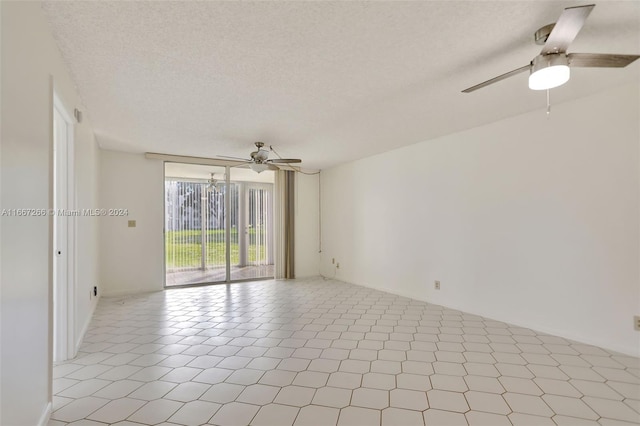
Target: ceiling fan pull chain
{"x": 548, "y": 104}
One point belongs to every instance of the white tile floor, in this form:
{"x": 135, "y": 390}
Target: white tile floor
{"x": 316, "y": 352}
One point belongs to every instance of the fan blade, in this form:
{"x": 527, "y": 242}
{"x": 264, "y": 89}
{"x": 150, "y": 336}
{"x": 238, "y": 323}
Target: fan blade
{"x": 566, "y": 29}
{"x": 235, "y": 158}
{"x": 497, "y": 79}
{"x": 285, "y": 160}
{"x": 600, "y": 60}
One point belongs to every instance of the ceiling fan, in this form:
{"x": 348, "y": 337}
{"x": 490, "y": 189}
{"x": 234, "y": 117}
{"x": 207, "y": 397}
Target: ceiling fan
{"x": 213, "y": 183}
{"x": 551, "y": 67}
{"x": 259, "y": 160}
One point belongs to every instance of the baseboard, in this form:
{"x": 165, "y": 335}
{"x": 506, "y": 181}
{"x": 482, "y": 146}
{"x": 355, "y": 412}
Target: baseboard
{"x": 630, "y": 350}
{"x": 85, "y": 327}
{"x": 46, "y": 415}
{"x": 121, "y": 293}
{"x": 555, "y": 331}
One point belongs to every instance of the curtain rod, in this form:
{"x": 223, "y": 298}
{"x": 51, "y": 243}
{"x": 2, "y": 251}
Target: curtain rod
{"x": 191, "y": 160}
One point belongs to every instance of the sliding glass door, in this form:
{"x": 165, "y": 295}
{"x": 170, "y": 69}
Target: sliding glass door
{"x": 218, "y": 224}
{"x": 252, "y": 214}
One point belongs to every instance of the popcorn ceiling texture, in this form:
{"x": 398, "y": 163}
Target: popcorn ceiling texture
{"x": 325, "y": 81}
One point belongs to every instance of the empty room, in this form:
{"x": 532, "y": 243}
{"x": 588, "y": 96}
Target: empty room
{"x": 391, "y": 213}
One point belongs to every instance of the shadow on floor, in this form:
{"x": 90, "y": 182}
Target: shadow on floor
{"x": 213, "y": 275}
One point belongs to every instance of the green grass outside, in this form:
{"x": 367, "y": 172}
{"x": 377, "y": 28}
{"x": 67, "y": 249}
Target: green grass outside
{"x": 183, "y": 248}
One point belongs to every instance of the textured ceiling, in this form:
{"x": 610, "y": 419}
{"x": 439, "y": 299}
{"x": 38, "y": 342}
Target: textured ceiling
{"x": 327, "y": 82}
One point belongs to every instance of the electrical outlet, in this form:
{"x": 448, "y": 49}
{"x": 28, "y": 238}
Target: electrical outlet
{"x": 436, "y": 285}
{"x": 636, "y": 322}
{"x": 95, "y": 290}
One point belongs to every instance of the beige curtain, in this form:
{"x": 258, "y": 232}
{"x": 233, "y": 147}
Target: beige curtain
{"x": 284, "y": 224}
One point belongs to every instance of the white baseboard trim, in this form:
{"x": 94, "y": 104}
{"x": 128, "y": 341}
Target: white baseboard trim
{"x": 124, "y": 293}
{"x": 46, "y": 415}
{"x": 571, "y": 335}
{"x": 85, "y": 327}
{"x": 630, "y": 350}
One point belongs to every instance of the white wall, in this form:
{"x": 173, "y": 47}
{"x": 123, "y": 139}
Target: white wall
{"x": 529, "y": 220}
{"x": 30, "y": 63}
{"x": 87, "y": 170}
{"x": 306, "y": 226}
{"x": 132, "y": 258}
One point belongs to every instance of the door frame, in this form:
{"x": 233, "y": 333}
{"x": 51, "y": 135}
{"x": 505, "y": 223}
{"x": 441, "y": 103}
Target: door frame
{"x": 227, "y": 207}
{"x": 64, "y": 297}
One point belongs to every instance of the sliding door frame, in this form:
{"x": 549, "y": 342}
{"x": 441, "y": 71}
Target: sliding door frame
{"x": 227, "y": 222}
{"x": 227, "y": 207}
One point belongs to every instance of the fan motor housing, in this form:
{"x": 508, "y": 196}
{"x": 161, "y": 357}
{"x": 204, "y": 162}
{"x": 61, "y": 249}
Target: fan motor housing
{"x": 551, "y": 60}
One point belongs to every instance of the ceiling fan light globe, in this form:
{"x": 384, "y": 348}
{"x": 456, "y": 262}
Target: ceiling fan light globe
{"x": 259, "y": 167}
{"x": 549, "y": 71}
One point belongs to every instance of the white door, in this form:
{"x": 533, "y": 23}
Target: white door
{"x": 63, "y": 237}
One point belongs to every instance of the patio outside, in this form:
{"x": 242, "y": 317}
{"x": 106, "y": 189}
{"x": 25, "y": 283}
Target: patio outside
{"x": 195, "y": 232}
